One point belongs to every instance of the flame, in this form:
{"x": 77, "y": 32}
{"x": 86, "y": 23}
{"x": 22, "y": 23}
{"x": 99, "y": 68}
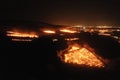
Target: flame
{"x": 49, "y": 31}
{"x": 67, "y": 31}
{"x": 22, "y": 34}
{"x": 76, "y": 54}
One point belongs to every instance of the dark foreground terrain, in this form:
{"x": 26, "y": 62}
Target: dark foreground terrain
{"x": 38, "y": 60}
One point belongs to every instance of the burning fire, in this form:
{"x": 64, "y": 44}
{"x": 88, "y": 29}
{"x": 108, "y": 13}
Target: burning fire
{"x": 49, "y": 31}
{"x": 76, "y": 54}
{"x": 22, "y": 34}
{"x": 68, "y": 31}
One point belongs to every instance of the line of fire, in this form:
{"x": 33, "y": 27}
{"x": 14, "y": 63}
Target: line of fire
{"x": 77, "y": 53}
{"x": 100, "y": 30}
{"x": 68, "y": 50}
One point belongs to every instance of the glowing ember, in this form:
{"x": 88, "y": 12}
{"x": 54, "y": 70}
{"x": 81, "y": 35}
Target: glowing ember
{"x": 21, "y": 40}
{"x": 71, "y": 39}
{"x": 82, "y": 56}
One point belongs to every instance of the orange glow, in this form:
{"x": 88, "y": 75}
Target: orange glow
{"x": 71, "y": 39}
{"x": 22, "y": 34}
{"x": 68, "y": 31}
{"x": 104, "y": 30}
{"x": 76, "y": 54}
{"x": 22, "y": 40}
{"x": 49, "y": 31}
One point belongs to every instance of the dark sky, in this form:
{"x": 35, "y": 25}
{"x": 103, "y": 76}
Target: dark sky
{"x": 100, "y": 12}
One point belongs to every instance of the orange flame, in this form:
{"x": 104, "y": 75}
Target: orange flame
{"x": 22, "y": 34}
{"x": 76, "y": 54}
{"x": 49, "y": 31}
{"x": 68, "y": 31}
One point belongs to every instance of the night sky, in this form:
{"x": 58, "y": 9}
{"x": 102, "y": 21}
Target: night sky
{"x": 70, "y": 12}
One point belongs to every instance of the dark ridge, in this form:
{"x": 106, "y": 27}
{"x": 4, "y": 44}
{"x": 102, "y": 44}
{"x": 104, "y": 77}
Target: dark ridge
{"x": 25, "y": 24}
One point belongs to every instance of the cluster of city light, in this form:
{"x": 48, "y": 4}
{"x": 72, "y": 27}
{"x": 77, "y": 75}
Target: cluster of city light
{"x": 81, "y": 56}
